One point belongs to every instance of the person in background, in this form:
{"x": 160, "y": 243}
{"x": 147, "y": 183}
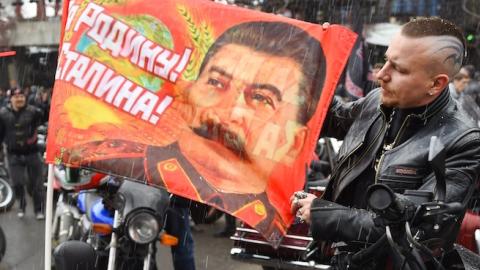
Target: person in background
{"x": 178, "y": 224}
{"x": 18, "y": 130}
{"x": 28, "y": 90}
{"x": 42, "y": 99}
{"x": 376, "y": 68}
{"x": 470, "y": 70}
{"x": 372, "y": 81}
{"x": 460, "y": 81}
{"x": 230, "y": 226}
{"x": 3, "y": 97}
{"x": 476, "y": 76}
{"x": 470, "y": 100}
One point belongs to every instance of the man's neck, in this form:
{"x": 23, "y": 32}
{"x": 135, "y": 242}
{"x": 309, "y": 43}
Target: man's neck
{"x": 415, "y": 110}
{"x": 16, "y": 108}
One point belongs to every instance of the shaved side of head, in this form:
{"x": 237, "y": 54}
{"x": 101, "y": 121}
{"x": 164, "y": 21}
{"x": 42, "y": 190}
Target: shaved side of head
{"x": 446, "y": 42}
{"x": 446, "y": 54}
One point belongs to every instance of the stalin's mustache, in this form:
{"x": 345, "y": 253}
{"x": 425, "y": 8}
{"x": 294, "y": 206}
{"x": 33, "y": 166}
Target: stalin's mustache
{"x": 220, "y": 132}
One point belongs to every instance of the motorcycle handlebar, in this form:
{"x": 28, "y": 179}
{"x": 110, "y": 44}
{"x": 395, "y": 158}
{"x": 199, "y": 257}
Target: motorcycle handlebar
{"x": 395, "y": 209}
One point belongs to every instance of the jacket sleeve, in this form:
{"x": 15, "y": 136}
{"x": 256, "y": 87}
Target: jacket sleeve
{"x": 334, "y": 222}
{"x": 462, "y": 168}
{"x": 340, "y": 117}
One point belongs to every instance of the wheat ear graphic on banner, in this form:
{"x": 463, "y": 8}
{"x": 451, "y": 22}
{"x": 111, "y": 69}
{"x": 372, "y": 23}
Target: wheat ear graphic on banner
{"x": 201, "y": 37}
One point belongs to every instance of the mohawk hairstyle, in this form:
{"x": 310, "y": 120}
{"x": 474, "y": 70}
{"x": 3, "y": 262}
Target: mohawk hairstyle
{"x": 433, "y": 26}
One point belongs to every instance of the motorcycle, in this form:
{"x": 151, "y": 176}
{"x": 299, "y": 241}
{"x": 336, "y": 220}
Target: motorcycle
{"x": 298, "y": 250}
{"x": 67, "y": 216}
{"x": 42, "y": 137}
{"x": 6, "y": 202}
{"x": 118, "y": 228}
{"x": 7, "y": 197}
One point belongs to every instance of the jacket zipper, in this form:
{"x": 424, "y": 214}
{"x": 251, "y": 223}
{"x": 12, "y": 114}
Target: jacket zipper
{"x": 366, "y": 150}
{"x": 402, "y": 127}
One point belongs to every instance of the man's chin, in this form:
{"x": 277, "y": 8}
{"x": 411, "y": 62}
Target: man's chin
{"x": 386, "y": 101}
{"x": 386, "y": 104}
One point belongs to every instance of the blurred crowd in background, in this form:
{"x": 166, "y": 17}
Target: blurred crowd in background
{"x": 39, "y": 96}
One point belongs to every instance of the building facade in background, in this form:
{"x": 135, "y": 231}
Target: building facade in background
{"x": 32, "y": 27}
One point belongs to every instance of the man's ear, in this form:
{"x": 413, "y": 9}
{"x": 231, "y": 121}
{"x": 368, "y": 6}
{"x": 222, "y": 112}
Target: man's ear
{"x": 298, "y": 143}
{"x": 440, "y": 82}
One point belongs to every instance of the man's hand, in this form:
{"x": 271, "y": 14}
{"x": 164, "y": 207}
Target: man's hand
{"x": 300, "y": 204}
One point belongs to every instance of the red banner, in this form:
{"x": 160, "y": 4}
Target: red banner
{"x": 218, "y": 104}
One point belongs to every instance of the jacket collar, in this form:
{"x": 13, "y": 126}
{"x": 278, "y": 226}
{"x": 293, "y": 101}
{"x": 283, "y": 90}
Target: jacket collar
{"x": 430, "y": 109}
{"x": 10, "y": 107}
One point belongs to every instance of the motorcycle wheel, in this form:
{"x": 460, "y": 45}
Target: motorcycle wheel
{"x": 6, "y": 195}
{"x": 3, "y": 244}
{"x": 204, "y": 214}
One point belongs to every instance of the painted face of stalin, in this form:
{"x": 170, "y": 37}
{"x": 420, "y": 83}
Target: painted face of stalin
{"x": 247, "y": 102}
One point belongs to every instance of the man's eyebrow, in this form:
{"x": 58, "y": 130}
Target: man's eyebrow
{"x": 394, "y": 62}
{"x": 269, "y": 87}
{"x": 221, "y": 71}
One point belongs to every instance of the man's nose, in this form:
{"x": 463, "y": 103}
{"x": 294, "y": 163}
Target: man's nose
{"x": 240, "y": 99}
{"x": 240, "y": 111}
{"x": 383, "y": 74}
{"x": 236, "y": 95}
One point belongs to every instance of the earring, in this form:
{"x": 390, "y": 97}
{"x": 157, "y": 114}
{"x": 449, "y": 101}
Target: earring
{"x": 430, "y": 93}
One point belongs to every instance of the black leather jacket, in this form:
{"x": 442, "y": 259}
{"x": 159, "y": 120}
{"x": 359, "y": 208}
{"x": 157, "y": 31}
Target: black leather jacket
{"x": 362, "y": 126}
{"x": 19, "y": 129}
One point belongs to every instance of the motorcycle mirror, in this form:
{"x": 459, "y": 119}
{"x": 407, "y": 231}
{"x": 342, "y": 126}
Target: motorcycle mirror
{"x": 380, "y": 197}
{"x": 76, "y": 176}
{"x": 436, "y": 158}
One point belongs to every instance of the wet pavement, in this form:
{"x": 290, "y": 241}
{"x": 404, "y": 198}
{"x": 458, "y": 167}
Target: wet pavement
{"x": 25, "y": 246}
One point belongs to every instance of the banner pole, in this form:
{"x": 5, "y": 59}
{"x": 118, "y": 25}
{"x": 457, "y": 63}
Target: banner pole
{"x": 49, "y": 199}
{"x": 48, "y": 219}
